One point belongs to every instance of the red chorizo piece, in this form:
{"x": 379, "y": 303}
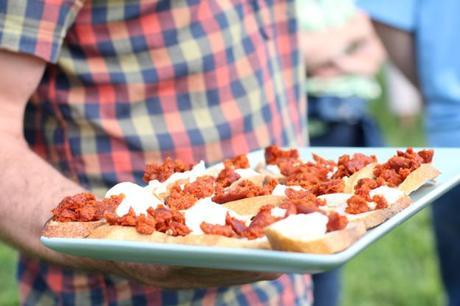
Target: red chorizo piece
{"x": 238, "y": 162}
{"x": 145, "y": 224}
{"x": 87, "y": 213}
{"x": 356, "y": 205}
{"x": 291, "y": 208}
{"x": 164, "y": 216}
{"x": 84, "y": 207}
{"x": 129, "y": 219}
{"x": 323, "y": 163}
{"x": 111, "y": 218}
{"x": 302, "y": 206}
{"x": 201, "y": 188}
{"x": 237, "y": 226}
{"x": 244, "y": 189}
{"x": 226, "y": 177}
{"x": 216, "y": 229}
{"x": 365, "y": 185}
{"x": 304, "y": 195}
{"x": 397, "y": 168}
{"x": 426, "y": 155}
{"x": 162, "y": 171}
{"x": 160, "y": 219}
{"x": 178, "y": 229}
{"x": 347, "y": 165}
{"x": 288, "y": 167}
{"x": 389, "y": 176}
{"x": 178, "y": 199}
{"x": 330, "y": 186}
{"x": 307, "y": 175}
{"x": 269, "y": 184}
{"x": 69, "y": 208}
{"x": 380, "y": 202}
{"x": 259, "y": 222}
{"x": 108, "y": 205}
{"x": 336, "y": 222}
{"x": 274, "y": 155}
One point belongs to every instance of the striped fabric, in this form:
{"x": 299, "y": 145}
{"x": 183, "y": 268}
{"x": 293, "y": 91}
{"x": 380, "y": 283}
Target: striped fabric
{"x": 135, "y": 81}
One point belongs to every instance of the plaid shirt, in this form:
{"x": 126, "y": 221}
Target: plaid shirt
{"x": 134, "y": 81}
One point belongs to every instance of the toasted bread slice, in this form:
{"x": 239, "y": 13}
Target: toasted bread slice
{"x": 256, "y": 179}
{"x": 54, "y": 229}
{"x": 261, "y": 168}
{"x": 126, "y": 233}
{"x": 352, "y": 180}
{"x": 329, "y": 243}
{"x": 418, "y": 178}
{"x": 251, "y": 206}
{"x": 375, "y": 217}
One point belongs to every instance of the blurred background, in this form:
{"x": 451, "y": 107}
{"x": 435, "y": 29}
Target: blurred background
{"x": 401, "y": 268}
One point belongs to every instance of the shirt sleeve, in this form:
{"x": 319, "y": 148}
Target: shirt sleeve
{"x": 400, "y": 14}
{"x": 36, "y": 27}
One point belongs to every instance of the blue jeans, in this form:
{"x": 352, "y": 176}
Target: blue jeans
{"x": 446, "y": 221}
{"x": 347, "y": 125}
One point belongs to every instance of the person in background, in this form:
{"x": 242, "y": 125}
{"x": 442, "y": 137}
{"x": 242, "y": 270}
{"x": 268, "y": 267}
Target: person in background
{"x": 342, "y": 56}
{"x": 422, "y": 39}
{"x": 403, "y": 98}
{"x": 92, "y": 90}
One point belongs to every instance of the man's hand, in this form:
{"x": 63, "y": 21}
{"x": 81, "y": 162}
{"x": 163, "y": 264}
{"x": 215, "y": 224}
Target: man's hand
{"x": 186, "y": 278}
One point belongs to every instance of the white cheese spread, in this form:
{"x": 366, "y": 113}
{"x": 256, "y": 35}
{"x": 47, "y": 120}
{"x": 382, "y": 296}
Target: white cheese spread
{"x": 136, "y": 197}
{"x": 391, "y": 195}
{"x": 273, "y": 169}
{"x": 278, "y": 212}
{"x": 302, "y": 226}
{"x": 158, "y": 187}
{"x": 280, "y": 190}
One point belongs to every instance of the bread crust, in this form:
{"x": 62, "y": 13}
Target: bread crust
{"x": 332, "y": 242}
{"x": 127, "y": 233}
{"x": 376, "y": 217}
{"x": 251, "y": 206}
{"x": 352, "y": 180}
{"x": 55, "y": 229}
{"x": 418, "y": 178}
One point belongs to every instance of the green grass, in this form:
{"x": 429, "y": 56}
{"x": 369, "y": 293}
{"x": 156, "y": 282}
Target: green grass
{"x": 8, "y": 287}
{"x": 400, "y": 269}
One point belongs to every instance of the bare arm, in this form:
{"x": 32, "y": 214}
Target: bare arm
{"x": 30, "y": 188}
{"x": 400, "y": 47}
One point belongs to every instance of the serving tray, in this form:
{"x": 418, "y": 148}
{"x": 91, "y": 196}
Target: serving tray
{"x": 445, "y": 159}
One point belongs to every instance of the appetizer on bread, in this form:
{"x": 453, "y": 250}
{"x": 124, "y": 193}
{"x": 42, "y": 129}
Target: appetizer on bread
{"x": 317, "y": 206}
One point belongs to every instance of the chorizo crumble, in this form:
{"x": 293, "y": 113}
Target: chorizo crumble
{"x": 397, "y": 168}
{"x": 162, "y": 171}
{"x": 274, "y": 155}
{"x": 84, "y": 207}
{"x": 347, "y": 165}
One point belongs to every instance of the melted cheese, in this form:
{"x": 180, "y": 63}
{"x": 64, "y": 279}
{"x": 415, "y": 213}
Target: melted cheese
{"x": 278, "y": 212}
{"x": 280, "y": 190}
{"x": 335, "y": 199}
{"x": 273, "y": 169}
{"x": 391, "y": 195}
{"x": 302, "y": 226}
{"x": 247, "y": 173}
{"x": 136, "y": 197}
{"x": 158, "y": 187}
